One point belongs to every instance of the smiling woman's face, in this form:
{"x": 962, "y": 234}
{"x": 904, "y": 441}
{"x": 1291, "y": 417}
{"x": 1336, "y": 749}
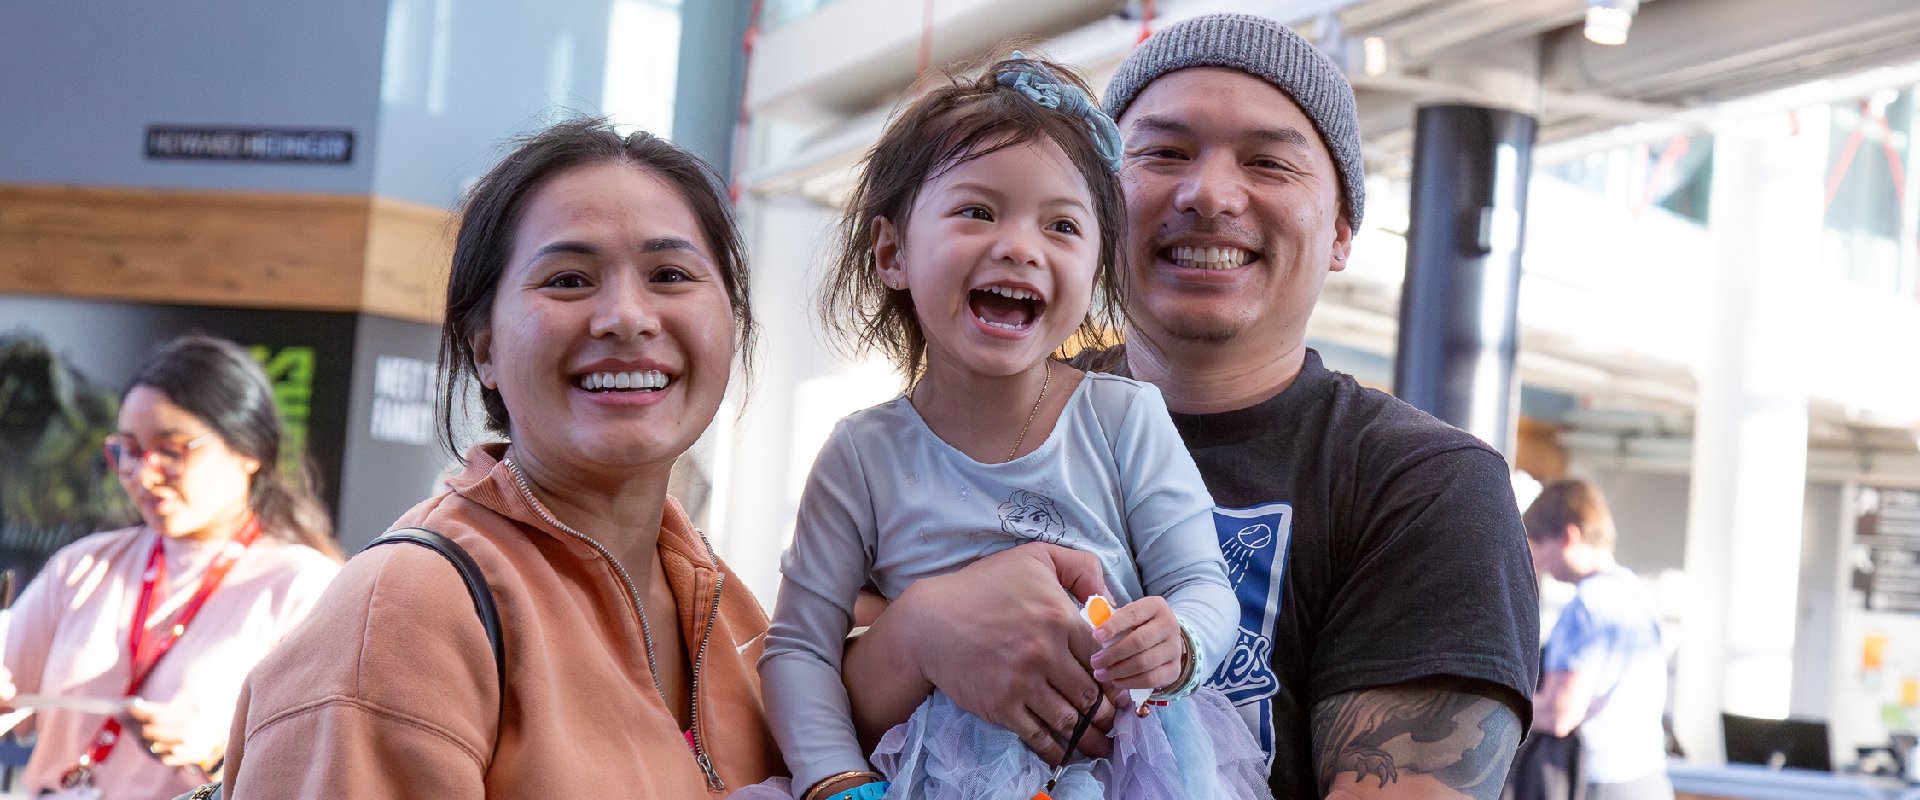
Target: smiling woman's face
{"x": 610, "y": 338}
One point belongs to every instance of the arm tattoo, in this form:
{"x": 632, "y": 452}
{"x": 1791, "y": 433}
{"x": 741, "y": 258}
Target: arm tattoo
{"x": 1455, "y": 732}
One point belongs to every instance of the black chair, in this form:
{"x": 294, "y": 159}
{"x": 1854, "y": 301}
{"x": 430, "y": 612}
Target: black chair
{"x": 1777, "y": 743}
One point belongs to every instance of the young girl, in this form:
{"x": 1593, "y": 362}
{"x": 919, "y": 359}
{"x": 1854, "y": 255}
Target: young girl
{"x": 984, "y": 220}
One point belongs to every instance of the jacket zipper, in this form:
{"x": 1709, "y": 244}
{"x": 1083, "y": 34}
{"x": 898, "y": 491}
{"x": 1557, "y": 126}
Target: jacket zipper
{"x": 706, "y": 635}
{"x": 633, "y": 593}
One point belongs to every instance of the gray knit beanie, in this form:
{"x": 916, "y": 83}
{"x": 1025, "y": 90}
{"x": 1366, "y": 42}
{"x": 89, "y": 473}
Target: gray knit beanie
{"x": 1264, "y": 49}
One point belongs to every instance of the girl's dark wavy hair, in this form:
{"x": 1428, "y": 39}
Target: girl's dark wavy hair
{"x": 956, "y": 123}
{"x": 223, "y": 386}
{"x": 491, "y": 213}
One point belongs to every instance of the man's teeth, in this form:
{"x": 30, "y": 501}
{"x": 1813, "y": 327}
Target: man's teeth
{"x": 644, "y": 379}
{"x": 1209, "y": 257}
{"x": 1008, "y": 291}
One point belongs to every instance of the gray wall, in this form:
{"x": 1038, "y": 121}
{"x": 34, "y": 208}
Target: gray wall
{"x": 1650, "y": 511}
{"x": 429, "y": 88}
{"x": 464, "y": 75}
{"x": 80, "y": 80}
{"x": 393, "y": 455}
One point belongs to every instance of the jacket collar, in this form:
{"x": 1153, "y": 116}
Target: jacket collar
{"x": 487, "y": 480}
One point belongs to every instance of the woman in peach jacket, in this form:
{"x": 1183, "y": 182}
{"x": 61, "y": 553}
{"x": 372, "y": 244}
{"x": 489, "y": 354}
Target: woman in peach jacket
{"x": 598, "y": 295}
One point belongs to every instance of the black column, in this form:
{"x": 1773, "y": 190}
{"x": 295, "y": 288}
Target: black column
{"x": 1458, "y": 305}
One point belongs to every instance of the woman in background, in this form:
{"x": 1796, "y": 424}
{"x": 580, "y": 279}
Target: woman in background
{"x": 232, "y": 553}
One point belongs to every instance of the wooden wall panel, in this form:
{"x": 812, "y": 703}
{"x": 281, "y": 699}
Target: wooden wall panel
{"x": 225, "y": 248}
{"x": 409, "y": 247}
{"x": 257, "y": 250}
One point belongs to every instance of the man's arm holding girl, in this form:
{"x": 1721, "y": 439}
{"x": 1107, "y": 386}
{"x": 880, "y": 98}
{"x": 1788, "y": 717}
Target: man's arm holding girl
{"x": 1010, "y": 647}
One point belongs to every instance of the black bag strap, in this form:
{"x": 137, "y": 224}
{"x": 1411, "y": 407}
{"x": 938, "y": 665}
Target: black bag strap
{"x": 470, "y": 573}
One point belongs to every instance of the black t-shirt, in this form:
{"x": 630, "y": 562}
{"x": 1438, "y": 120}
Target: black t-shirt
{"x": 1370, "y": 545}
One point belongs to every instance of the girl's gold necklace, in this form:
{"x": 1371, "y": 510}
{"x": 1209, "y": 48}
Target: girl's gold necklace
{"x": 1046, "y": 377}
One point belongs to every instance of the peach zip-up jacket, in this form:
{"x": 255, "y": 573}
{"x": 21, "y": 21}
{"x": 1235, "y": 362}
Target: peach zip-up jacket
{"x": 389, "y": 691}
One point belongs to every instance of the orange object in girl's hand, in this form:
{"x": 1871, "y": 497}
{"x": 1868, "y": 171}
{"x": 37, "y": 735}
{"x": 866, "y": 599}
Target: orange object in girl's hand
{"x": 1042, "y": 796}
{"x": 1098, "y": 610}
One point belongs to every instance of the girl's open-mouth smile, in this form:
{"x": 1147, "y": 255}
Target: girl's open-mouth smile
{"x": 1007, "y": 308}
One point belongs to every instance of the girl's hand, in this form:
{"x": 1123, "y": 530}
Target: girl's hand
{"x": 1140, "y": 646}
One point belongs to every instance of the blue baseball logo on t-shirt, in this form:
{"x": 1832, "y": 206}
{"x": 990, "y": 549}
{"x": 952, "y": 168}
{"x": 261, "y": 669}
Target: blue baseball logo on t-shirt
{"x": 1254, "y": 543}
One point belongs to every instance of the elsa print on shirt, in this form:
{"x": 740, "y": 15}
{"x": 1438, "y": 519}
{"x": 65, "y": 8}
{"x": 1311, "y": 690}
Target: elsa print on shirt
{"x": 1031, "y": 516}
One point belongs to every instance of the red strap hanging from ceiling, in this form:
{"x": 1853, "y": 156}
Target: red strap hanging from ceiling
{"x": 926, "y": 38}
{"x": 738, "y": 157}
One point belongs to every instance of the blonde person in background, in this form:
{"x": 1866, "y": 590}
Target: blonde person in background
{"x": 1603, "y": 671}
{"x": 232, "y": 552}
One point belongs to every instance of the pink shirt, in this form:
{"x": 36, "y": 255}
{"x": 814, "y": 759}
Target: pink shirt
{"x": 67, "y": 635}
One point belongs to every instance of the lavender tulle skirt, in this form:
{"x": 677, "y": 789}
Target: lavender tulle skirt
{"x": 1194, "y": 747}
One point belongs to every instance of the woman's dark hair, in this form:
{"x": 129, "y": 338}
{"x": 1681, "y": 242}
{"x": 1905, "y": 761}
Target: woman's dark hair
{"x": 949, "y": 126}
{"x": 492, "y": 211}
{"x": 223, "y": 386}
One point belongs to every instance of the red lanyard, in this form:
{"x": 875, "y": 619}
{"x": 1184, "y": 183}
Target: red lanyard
{"x": 144, "y": 654}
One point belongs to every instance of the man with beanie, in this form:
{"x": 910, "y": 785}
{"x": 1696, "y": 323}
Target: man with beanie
{"x": 1389, "y": 616}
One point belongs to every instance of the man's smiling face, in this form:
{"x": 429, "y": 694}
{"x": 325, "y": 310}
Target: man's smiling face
{"x": 1233, "y": 205}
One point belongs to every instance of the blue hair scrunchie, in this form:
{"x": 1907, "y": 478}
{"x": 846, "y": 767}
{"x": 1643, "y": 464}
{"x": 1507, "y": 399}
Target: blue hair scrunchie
{"x": 1040, "y": 85}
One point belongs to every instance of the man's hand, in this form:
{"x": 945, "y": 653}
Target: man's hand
{"x": 1000, "y": 638}
{"x": 1140, "y": 646}
{"x": 1443, "y": 738}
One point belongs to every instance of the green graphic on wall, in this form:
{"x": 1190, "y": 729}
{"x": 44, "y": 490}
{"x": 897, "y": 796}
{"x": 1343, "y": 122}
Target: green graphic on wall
{"x": 290, "y": 370}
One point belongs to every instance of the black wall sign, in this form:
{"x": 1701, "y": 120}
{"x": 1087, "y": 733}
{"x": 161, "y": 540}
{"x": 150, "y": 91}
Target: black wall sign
{"x": 250, "y": 144}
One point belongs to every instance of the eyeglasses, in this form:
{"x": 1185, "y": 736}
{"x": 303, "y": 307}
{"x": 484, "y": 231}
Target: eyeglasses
{"x": 125, "y": 455}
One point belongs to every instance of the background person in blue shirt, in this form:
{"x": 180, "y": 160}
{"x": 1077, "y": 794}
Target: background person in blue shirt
{"x": 1603, "y": 671}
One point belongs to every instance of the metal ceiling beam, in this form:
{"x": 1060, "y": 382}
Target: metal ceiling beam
{"x": 1703, "y": 50}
